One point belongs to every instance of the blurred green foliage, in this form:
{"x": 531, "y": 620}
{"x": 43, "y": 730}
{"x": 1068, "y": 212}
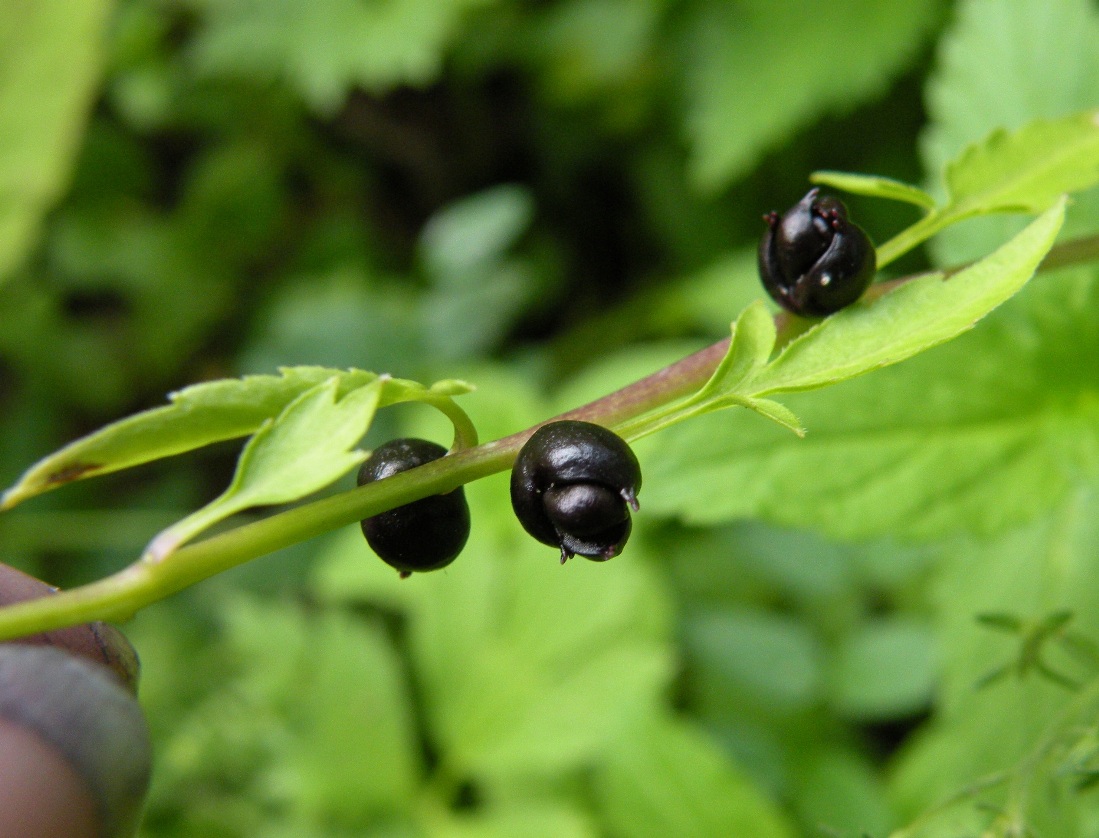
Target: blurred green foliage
{"x": 550, "y": 199}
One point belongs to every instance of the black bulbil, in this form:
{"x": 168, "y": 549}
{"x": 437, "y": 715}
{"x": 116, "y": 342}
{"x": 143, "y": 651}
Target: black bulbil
{"x": 813, "y": 260}
{"x": 573, "y": 486}
{"x": 427, "y": 534}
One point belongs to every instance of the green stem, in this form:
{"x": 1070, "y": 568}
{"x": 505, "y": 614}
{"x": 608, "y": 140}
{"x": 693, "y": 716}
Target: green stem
{"x": 119, "y": 596}
{"x": 911, "y": 237}
{"x": 635, "y": 410}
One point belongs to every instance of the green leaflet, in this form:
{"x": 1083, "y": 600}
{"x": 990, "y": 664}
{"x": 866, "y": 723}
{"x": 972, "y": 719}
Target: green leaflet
{"x": 202, "y": 414}
{"x": 1025, "y": 170}
{"x": 306, "y": 447}
{"x": 1042, "y": 59}
{"x": 751, "y": 343}
{"x": 875, "y": 187}
{"x": 979, "y": 435}
{"x": 920, "y": 314}
{"x": 51, "y": 57}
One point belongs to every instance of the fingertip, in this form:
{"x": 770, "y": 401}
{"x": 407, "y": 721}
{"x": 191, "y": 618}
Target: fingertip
{"x": 89, "y": 720}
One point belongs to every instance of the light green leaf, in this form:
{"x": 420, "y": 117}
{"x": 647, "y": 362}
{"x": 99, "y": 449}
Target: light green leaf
{"x": 979, "y": 435}
{"x": 753, "y": 338}
{"x": 1025, "y": 170}
{"x": 920, "y": 314}
{"x": 752, "y": 341}
{"x": 472, "y": 234}
{"x": 774, "y": 411}
{"x": 198, "y": 415}
{"x": 212, "y": 412}
{"x": 306, "y": 447}
{"x": 1001, "y": 65}
{"x": 874, "y": 187}
{"x": 325, "y": 48}
{"x": 52, "y": 51}
{"x": 759, "y": 70}
{"x": 666, "y": 779}
{"x": 351, "y": 750}
{"x": 525, "y": 817}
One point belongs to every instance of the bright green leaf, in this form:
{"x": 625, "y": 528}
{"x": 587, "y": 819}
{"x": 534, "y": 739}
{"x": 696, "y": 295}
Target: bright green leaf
{"x": 774, "y": 411}
{"x": 307, "y": 446}
{"x": 1025, "y": 170}
{"x": 1011, "y": 725}
{"x": 212, "y": 412}
{"x": 920, "y": 314}
{"x": 751, "y": 345}
{"x": 352, "y": 748}
{"x": 1001, "y": 65}
{"x": 469, "y": 235}
{"x": 978, "y": 435}
{"x": 528, "y": 818}
{"x": 666, "y": 779}
{"x": 874, "y": 187}
{"x": 52, "y": 51}
{"x": 198, "y": 415}
{"x": 760, "y": 70}
{"x": 527, "y": 666}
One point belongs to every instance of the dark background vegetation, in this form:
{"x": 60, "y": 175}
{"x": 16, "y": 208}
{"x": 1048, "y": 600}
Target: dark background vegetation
{"x": 547, "y": 199}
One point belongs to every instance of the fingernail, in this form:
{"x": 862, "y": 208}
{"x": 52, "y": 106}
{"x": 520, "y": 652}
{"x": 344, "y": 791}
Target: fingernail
{"x": 90, "y": 718}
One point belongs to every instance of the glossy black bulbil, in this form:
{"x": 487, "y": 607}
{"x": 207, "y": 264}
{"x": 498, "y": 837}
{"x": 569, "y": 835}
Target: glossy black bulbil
{"x": 813, "y": 260}
{"x": 573, "y": 486}
{"x": 426, "y": 534}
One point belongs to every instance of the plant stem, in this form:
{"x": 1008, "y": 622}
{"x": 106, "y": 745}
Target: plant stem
{"x": 119, "y": 596}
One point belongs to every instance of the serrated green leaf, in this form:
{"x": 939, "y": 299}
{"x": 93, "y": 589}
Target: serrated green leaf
{"x": 666, "y": 779}
{"x": 874, "y": 187}
{"x": 325, "y": 48}
{"x": 198, "y": 415}
{"x": 979, "y": 435}
{"x": 1025, "y": 170}
{"x": 212, "y": 412}
{"x": 999, "y": 66}
{"x": 1040, "y": 58}
{"x": 755, "y": 71}
{"x": 920, "y": 314}
{"x": 52, "y": 54}
{"x": 307, "y": 446}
